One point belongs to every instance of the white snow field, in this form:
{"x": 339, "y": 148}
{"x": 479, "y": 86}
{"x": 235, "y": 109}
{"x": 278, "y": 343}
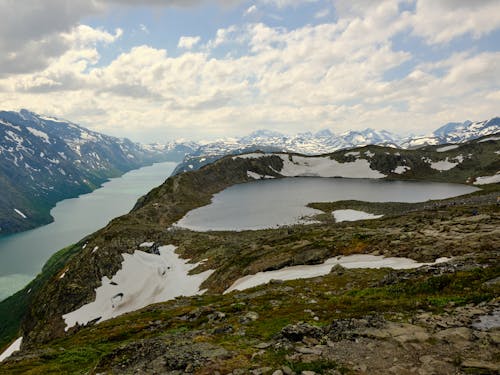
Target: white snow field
{"x": 305, "y": 272}
{"x": 353, "y": 215}
{"x": 320, "y": 166}
{"x": 400, "y": 169}
{"x": 447, "y": 148}
{"x": 14, "y": 347}
{"x": 143, "y": 279}
{"x": 488, "y": 179}
{"x": 323, "y": 166}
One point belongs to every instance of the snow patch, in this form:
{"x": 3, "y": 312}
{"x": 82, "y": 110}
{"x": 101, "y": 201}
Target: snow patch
{"x": 447, "y": 148}
{"x": 254, "y": 155}
{"x": 20, "y": 213}
{"x": 143, "y": 279}
{"x": 352, "y": 153}
{"x": 441, "y": 165}
{"x": 488, "y": 179}
{"x": 353, "y": 215}
{"x": 400, "y": 169}
{"x": 14, "y": 347}
{"x": 326, "y": 167}
{"x": 95, "y": 249}
{"x": 146, "y": 244}
{"x": 489, "y": 139}
{"x": 304, "y": 272}
{"x": 39, "y": 134}
{"x": 257, "y": 176}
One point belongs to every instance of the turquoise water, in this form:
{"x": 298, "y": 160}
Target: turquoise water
{"x": 22, "y": 255}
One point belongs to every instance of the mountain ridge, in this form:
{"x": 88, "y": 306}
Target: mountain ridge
{"x": 44, "y": 160}
{"x": 325, "y": 141}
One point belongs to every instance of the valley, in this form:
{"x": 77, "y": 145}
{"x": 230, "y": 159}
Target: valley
{"x": 44, "y": 160}
{"x": 22, "y": 255}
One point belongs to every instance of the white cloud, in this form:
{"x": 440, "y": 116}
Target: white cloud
{"x": 442, "y": 21}
{"x": 315, "y": 76}
{"x": 252, "y": 10}
{"x": 322, "y": 13}
{"x": 188, "y": 42}
{"x": 287, "y": 3}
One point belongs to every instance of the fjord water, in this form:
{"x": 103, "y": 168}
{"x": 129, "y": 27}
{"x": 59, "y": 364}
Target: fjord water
{"x": 22, "y": 255}
{"x": 271, "y": 203}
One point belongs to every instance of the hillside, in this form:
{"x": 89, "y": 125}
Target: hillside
{"x": 45, "y": 160}
{"x": 412, "y": 317}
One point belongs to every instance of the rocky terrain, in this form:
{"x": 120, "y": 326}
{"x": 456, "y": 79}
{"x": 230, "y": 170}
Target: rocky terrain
{"x": 441, "y": 318}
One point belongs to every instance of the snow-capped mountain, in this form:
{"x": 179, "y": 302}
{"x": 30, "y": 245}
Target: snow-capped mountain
{"x": 455, "y": 132}
{"x": 325, "y": 141}
{"x": 44, "y": 160}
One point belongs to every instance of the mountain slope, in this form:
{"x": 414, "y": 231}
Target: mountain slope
{"x": 358, "y": 304}
{"x": 44, "y": 160}
{"x": 100, "y": 256}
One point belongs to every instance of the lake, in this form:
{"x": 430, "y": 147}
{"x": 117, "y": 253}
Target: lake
{"x": 271, "y": 203}
{"x": 22, "y": 255}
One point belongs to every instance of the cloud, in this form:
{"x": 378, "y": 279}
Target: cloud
{"x": 442, "y": 21}
{"x": 315, "y": 76}
{"x": 32, "y": 31}
{"x": 252, "y": 10}
{"x": 188, "y": 42}
{"x": 322, "y": 13}
{"x": 287, "y": 3}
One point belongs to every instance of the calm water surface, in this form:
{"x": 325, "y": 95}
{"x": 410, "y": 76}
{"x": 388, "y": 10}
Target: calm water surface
{"x": 22, "y": 255}
{"x": 270, "y": 203}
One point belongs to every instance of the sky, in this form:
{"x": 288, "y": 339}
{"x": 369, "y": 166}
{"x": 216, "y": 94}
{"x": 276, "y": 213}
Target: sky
{"x": 158, "y": 70}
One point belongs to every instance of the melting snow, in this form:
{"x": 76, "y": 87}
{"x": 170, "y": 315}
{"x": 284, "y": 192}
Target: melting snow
{"x": 447, "y": 148}
{"x": 257, "y": 176}
{"x": 143, "y": 279}
{"x": 146, "y": 244}
{"x": 20, "y": 213}
{"x": 352, "y": 153}
{"x": 304, "y": 272}
{"x": 400, "y": 169}
{"x": 14, "y": 347}
{"x": 249, "y": 156}
{"x": 353, "y": 215}
{"x": 442, "y": 165}
{"x": 489, "y": 139}
{"x": 488, "y": 179}
{"x": 326, "y": 167}
{"x": 39, "y": 134}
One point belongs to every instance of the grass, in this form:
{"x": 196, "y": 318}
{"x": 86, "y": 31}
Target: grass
{"x": 277, "y": 307}
{"x": 14, "y": 308}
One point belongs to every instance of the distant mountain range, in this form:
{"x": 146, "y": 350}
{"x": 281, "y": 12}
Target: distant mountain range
{"x": 325, "y": 141}
{"x": 44, "y": 160}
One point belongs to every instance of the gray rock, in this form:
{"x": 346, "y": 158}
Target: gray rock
{"x": 297, "y": 332}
